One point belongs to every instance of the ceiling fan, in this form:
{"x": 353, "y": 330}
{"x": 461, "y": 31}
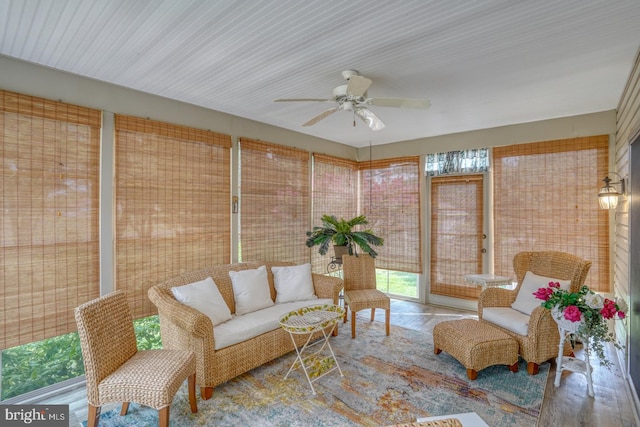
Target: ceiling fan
{"x": 353, "y": 97}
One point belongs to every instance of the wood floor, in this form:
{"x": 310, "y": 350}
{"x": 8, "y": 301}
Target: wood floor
{"x": 566, "y": 406}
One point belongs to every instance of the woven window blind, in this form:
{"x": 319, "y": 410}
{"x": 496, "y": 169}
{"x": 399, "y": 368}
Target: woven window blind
{"x": 172, "y": 204}
{"x": 456, "y": 234}
{"x": 545, "y": 199}
{"x": 274, "y": 202}
{"x": 335, "y": 189}
{"x": 49, "y": 249}
{"x": 390, "y": 198}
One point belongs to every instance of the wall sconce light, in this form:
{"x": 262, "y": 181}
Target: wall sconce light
{"x": 608, "y": 195}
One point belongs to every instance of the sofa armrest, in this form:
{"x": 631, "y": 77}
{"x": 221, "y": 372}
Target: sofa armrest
{"x": 184, "y": 319}
{"x": 495, "y": 297}
{"x": 327, "y": 286}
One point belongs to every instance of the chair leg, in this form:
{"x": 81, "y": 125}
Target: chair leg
{"x": 163, "y": 417}
{"x": 192, "y": 392}
{"x": 206, "y": 393}
{"x": 373, "y": 314}
{"x": 93, "y": 415}
{"x": 387, "y": 318}
{"x": 346, "y": 312}
{"x": 125, "y": 408}
{"x": 353, "y": 324}
{"x": 533, "y": 368}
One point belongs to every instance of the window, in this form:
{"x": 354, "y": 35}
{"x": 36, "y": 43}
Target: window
{"x": 49, "y": 251}
{"x": 390, "y": 198}
{"x": 274, "y": 202}
{"x": 49, "y": 245}
{"x": 173, "y": 200}
{"x": 545, "y": 199}
{"x": 335, "y": 189}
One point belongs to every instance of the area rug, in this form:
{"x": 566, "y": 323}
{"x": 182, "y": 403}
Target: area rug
{"x": 387, "y": 380}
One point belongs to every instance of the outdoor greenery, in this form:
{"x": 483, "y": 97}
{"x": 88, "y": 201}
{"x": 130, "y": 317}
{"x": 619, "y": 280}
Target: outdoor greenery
{"x": 35, "y": 365}
{"x": 397, "y": 283}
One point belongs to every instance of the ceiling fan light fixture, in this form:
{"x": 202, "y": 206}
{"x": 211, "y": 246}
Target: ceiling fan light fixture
{"x": 370, "y": 119}
{"x": 353, "y": 97}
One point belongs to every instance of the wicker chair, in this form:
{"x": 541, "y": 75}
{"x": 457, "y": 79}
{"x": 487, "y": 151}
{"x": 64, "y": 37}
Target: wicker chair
{"x": 117, "y": 372}
{"x": 360, "y": 289}
{"x": 541, "y": 342}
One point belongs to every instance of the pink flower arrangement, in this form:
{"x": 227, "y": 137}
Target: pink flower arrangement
{"x": 575, "y": 304}
{"x": 587, "y": 307}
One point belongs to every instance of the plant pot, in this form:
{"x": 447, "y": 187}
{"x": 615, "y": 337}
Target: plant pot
{"x": 565, "y": 324}
{"x": 339, "y": 251}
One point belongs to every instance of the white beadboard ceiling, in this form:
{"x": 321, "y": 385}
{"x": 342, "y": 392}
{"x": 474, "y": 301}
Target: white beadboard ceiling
{"x": 481, "y": 64}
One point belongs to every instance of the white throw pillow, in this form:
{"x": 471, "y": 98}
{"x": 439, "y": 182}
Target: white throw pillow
{"x": 205, "y": 297}
{"x": 251, "y": 290}
{"x": 525, "y": 301}
{"x": 293, "y": 283}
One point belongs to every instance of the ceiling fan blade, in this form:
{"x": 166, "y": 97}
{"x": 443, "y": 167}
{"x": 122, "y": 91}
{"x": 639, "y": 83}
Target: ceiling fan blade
{"x": 400, "y": 102}
{"x": 302, "y": 99}
{"x": 370, "y": 119}
{"x": 358, "y": 85}
{"x": 320, "y": 116}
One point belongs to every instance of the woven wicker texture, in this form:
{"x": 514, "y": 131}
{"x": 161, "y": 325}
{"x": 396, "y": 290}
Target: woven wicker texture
{"x": 185, "y": 328}
{"x": 541, "y": 343}
{"x": 475, "y": 344}
{"x": 449, "y": 422}
{"x": 115, "y": 370}
{"x": 360, "y": 288}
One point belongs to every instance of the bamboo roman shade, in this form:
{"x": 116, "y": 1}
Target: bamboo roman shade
{"x": 172, "y": 195}
{"x": 456, "y": 234}
{"x": 49, "y": 232}
{"x": 390, "y": 198}
{"x": 274, "y": 202}
{"x": 335, "y": 189}
{"x": 545, "y": 199}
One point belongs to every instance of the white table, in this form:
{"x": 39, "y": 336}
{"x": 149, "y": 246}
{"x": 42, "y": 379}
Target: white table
{"x": 488, "y": 280}
{"x": 567, "y": 363}
{"x": 308, "y": 321}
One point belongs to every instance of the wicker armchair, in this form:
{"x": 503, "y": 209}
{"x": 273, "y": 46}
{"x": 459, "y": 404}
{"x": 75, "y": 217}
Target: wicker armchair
{"x": 540, "y": 344}
{"x": 117, "y": 372}
{"x": 360, "y": 289}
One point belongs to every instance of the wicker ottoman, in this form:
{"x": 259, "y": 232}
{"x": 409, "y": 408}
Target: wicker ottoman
{"x": 475, "y": 344}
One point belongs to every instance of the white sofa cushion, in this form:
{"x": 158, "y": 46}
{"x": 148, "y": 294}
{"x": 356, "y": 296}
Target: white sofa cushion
{"x": 205, "y": 297}
{"x": 293, "y": 283}
{"x": 525, "y": 301}
{"x": 251, "y": 290}
{"x": 247, "y": 326}
{"x": 507, "y": 318}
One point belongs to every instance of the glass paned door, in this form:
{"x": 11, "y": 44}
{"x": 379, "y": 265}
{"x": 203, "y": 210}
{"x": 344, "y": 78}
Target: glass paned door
{"x": 456, "y": 234}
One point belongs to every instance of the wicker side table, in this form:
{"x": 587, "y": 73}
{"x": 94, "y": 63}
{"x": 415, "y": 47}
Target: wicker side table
{"x": 475, "y": 344}
{"x": 309, "y": 320}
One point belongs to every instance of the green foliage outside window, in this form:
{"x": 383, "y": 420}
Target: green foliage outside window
{"x": 397, "y": 283}
{"x": 39, "y": 364}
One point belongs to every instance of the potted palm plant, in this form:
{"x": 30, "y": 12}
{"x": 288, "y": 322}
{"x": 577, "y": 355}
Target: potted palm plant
{"x": 340, "y": 232}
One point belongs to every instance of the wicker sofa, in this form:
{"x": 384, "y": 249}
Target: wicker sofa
{"x": 183, "y": 327}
